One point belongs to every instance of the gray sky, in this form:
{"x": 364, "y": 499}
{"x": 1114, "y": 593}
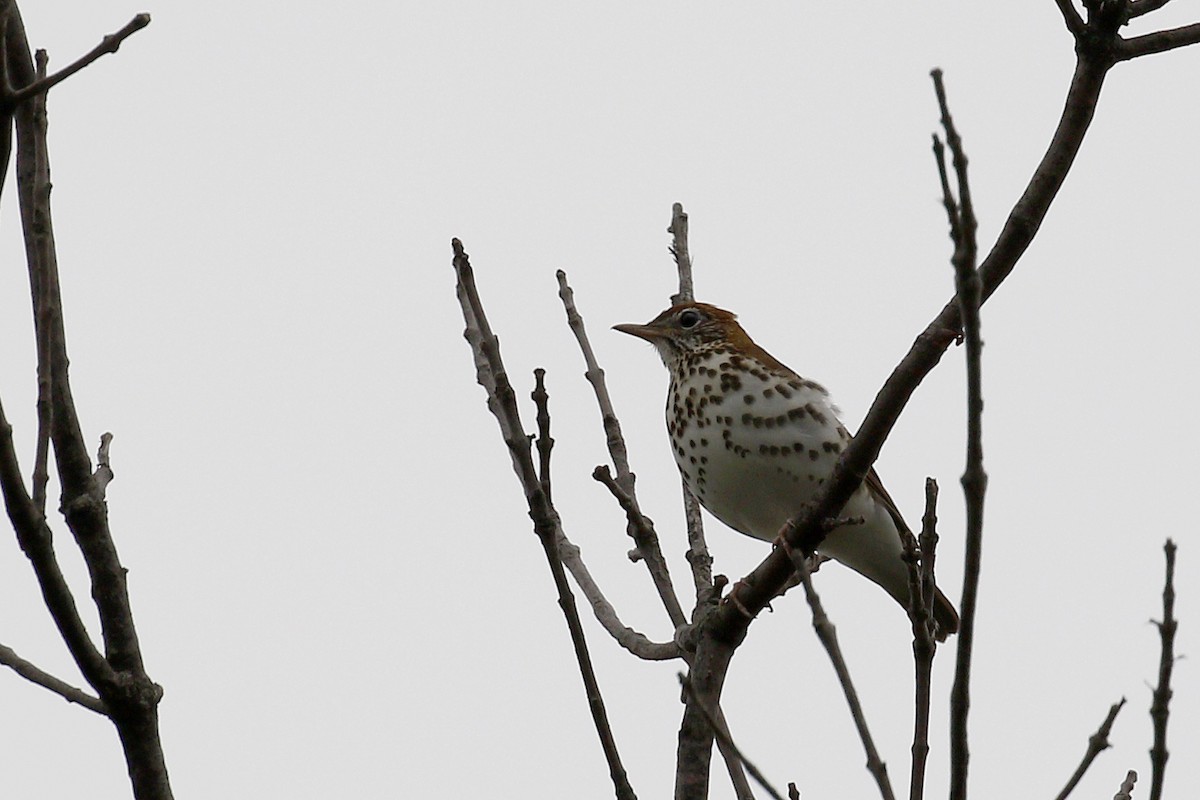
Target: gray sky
{"x": 330, "y": 562}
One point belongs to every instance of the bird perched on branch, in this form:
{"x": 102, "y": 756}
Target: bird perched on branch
{"x": 755, "y": 441}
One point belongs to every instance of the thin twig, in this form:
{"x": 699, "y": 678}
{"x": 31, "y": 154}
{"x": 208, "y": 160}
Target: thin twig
{"x": 545, "y": 442}
{"x": 34, "y": 537}
{"x": 921, "y": 597}
{"x": 637, "y": 643}
{"x": 722, "y": 734}
{"x": 683, "y": 259}
{"x": 1071, "y": 17}
{"x": 640, "y": 529}
{"x": 969, "y": 290}
{"x": 697, "y": 555}
{"x": 633, "y": 641}
{"x": 1097, "y": 743}
{"x": 502, "y": 402}
{"x": 44, "y": 679}
{"x": 1126, "y": 790}
{"x": 734, "y": 763}
{"x": 1160, "y": 705}
{"x": 43, "y": 309}
{"x": 827, "y": 633}
{"x": 928, "y": 543}
{"x": 634, "y": 517}
{"x": 109, "y": 44}
{"x": 103, "y": 475}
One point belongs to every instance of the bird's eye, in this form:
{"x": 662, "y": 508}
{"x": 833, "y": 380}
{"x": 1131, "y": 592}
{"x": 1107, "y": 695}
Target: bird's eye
{"x": 689, "y": 318}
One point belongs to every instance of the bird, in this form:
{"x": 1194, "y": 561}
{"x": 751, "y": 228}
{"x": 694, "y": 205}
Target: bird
{"x": 755, "y": 441}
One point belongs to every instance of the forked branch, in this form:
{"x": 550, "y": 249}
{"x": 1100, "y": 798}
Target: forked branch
{"x": 125, "y": 692}
{"x": 493, "y": 376}
{"x": 1098, "y": 49}
{"x": 109, "y": 44}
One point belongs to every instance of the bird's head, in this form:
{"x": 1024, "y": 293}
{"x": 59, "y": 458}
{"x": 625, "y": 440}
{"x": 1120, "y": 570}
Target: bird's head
{"x": 689, "y": 328}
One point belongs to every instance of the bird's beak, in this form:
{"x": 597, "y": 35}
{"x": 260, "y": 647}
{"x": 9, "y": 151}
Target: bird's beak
{"x": 647, "y": 332}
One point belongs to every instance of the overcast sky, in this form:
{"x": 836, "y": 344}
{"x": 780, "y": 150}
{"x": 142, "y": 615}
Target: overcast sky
{"x": 331, "y": 566}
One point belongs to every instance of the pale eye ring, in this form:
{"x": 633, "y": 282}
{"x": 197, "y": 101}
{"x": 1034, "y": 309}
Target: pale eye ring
{"x": 689, "y": 318}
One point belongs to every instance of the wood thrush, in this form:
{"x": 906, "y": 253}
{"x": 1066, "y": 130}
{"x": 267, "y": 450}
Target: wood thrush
{"x": 754, "y": 441}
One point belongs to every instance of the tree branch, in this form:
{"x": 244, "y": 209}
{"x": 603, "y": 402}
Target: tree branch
{"x": 1071, "y": 17}
{"x": 827, "y": 634}
{"x": 118, "y": 676}
{"x": 1097, "y": 743}
{"x": 698, "y": 556}
{"x": 109, "y": 44}
{"x": 1139, "y": 7}
{"x": 26, "y": 670}
{"x": 640, "y": 528}
{"x": 723, "y": 630}
{"x": 921, "y": 597}
{"x": 502, "y": 402}
{"x": 693, "y": 756}
{"x": 722, "y": 734}
{"x": 974, "y": 480}
{"x": 1160, "y": 705}
{"x": 679, "y": 251}
{"x": 566, "y": 601}
{"x": 36, "y": 541}
{"x": 1126, "y": 790}
{"x": 1159, "y": 42}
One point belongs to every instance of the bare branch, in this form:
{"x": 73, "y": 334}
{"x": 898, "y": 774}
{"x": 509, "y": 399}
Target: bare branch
{"x": 723, "y": 734}
{"x": 969, "y": 291}
{"x": 34, "y": 537}
{"x": 636, "y": 643}
{"x": 109, "y": 44}
{"x": 1160, "y": 706}
{"x": 693, "y": 756}
{"x": 1139, "y": 7}
{"x": 104, "y": 473}
{"x": 82, "y": 505}
{"x": 827, "y": 633}
{"x": 698, "y": 556}
{"x": 502, "y": 402}
{"x": 639, "y": 522}
{"x": 921, "y": 597}
{"x": 545, "y": 443}
{"x": 683, "y": 259}
{"x": 1097, "y": 743}
{"x": 47, "y": 681}
{"x": 640, "y": 528}
{"x": 1126, "y": 790}
{"x": 1159, "y": 42}
{"x": 734, "y": 763}
{"x": 119, "y": 676}
{"x": 1071, "y": 17}
{"x": 43, "y": 304}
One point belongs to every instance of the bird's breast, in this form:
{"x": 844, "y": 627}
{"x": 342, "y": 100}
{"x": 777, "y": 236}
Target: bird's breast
{"x": 753, "y": 445}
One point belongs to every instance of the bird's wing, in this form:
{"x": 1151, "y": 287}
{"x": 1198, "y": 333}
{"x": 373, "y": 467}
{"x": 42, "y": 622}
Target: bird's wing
{"x": 875, "y": 487}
